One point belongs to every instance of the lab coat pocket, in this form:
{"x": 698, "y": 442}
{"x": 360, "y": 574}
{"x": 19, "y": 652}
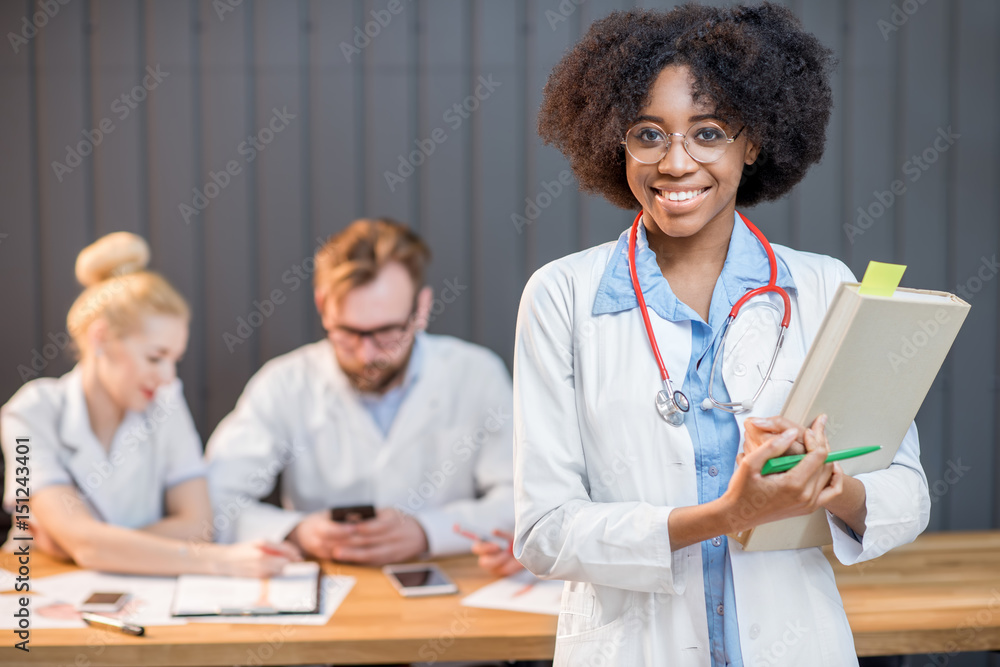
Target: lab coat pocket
{"x": 778, "y": 386}
{"x": 587, "y": 610}
{"x": 608, "y": 644}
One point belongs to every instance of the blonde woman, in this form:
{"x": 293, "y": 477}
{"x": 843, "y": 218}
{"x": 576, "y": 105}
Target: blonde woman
{"x": 113, "y": 463}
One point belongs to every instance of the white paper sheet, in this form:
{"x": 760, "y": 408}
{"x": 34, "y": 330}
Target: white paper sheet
{"x": 54, "y": 601}
{"x": 332, "y": 593}
{"x": 295, "y": 590}
{"x": 43, "y": 612}
{"x": 521, "y": 591}
{"x": 61, "y": 594}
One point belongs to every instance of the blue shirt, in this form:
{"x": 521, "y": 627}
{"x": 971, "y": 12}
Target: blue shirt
{"x": 714, "y": 433}
{"x": 383, "y": 407}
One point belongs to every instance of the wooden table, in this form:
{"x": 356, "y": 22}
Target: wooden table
{"x": 939, "y": 594}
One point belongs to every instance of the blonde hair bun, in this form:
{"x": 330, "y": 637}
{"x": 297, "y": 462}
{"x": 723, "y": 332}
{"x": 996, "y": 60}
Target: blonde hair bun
{"x": 117, "y": 253}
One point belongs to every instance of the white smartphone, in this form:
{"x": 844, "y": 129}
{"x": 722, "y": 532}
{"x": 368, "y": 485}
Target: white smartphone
{"x": 419, "y": 579}
{"x": 104, "y": 603}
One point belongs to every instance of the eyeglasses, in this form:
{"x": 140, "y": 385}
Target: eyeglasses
{"x": 383, "y": 338}
{"x": 705, "y": 142}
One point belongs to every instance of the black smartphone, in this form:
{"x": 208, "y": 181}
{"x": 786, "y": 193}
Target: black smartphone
{"x": 352, "y": 514}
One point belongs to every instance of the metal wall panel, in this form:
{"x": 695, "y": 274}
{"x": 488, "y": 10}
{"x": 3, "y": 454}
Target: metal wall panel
{"x": 369, "y": 88}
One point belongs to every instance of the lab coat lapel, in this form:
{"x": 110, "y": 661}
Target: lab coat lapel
{"x": 84, "y": 456}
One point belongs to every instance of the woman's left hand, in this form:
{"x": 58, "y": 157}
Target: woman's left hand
{"x": 494, "y": 558}
{"x": 759, "y": 431}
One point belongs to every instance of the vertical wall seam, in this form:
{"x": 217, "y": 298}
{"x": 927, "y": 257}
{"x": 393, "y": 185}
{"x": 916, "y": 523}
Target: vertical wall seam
{"x": 35, "y": 166}
{"x": 951, "y": 260}
{"x": 90, "y": 168}
{"x": 145, "y": 206}
{"x": 472, "y": 159}
{"x": 200, "y": 236}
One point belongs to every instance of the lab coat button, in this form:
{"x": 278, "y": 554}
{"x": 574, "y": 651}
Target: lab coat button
{"x": 754, "y": 631}
{"x": 716, "y": 541}
{"x": 719, "y": 610}
{"x": 740, "y": 370}
{"x": 713, "y": 471}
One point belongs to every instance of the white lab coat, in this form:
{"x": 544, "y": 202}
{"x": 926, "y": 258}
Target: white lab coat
{"x": 125, "y": 485}
{"x": 598, "y": 471}
{"x": 446, "y": 459}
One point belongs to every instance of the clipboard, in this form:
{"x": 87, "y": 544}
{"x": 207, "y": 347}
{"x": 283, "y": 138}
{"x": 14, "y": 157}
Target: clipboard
{"x": 295, "y": 591}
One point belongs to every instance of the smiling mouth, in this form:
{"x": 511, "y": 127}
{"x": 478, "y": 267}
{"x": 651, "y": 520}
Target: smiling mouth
{"x": 679, "y": 195}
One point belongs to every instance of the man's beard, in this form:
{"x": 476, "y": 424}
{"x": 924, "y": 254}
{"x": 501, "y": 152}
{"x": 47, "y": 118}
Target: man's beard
{"x": 374, "y": 378}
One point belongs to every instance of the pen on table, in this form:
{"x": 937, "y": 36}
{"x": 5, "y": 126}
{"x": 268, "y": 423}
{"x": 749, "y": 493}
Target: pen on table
{"x": 524, "y": 589}
{"x": 271, "y": 551}
{"x": 108, "y": 623}
{"x": 481, "y": 538}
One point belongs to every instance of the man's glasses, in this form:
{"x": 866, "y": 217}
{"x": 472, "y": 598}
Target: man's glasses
{"x": 384, "y": 338}
{"x": 705, "y": 142}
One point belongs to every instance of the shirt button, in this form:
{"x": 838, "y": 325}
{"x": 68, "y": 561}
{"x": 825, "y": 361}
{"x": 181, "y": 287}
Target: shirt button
{"x": 718, "y": 610}
{"x": 716, "y": 541}
{"x": 740, "y": 370}
{"x": 754, "y": 631}
{"x": 713, "y": 471}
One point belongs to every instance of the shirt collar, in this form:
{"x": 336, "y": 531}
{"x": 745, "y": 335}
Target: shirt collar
{"x": 75, "y": 429}
{"x": 746, "y": 267}
{"x": 75, "y": 426}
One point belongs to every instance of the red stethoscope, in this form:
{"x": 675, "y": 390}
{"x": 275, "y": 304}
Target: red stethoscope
{"x": 673, "y": 404}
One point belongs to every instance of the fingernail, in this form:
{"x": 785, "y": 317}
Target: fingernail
{"x": 788, "y": 433}
{"x": 823, "y": 419}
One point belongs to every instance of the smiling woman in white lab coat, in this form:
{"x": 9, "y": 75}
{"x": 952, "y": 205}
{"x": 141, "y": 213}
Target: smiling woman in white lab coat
{"x": 684, "y": 115}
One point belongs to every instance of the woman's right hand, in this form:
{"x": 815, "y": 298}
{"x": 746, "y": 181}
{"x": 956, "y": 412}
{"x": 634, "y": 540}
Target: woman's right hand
{"x": 254, "y": 559}
{"x": 753, "y": 499}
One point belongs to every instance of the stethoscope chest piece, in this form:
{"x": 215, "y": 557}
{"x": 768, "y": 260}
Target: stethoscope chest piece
{"x": 672, "y": 407}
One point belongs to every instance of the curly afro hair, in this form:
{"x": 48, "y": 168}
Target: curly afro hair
{"x": 755, "y": 64}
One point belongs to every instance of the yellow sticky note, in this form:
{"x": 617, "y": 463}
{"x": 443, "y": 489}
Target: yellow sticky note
{"x": 881, "y": 279}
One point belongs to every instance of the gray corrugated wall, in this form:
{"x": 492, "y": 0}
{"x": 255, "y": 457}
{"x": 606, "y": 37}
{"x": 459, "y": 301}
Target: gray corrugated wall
{"x": 899, "y": 84}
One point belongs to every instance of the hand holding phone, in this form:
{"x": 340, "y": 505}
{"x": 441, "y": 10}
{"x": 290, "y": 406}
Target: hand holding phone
{"x": 352, "y": 513}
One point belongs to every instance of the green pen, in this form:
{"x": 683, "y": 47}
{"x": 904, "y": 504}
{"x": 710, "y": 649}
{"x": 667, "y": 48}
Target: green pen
{"x": 783, "y": 463}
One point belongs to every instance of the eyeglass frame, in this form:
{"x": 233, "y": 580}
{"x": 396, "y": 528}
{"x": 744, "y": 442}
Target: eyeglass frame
{"x": 358, "y": 335}
{"x": 666, "y": 150}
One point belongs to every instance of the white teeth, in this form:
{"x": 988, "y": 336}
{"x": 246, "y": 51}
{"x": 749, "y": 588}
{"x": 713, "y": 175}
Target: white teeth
{"x": 683, "y": 196}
